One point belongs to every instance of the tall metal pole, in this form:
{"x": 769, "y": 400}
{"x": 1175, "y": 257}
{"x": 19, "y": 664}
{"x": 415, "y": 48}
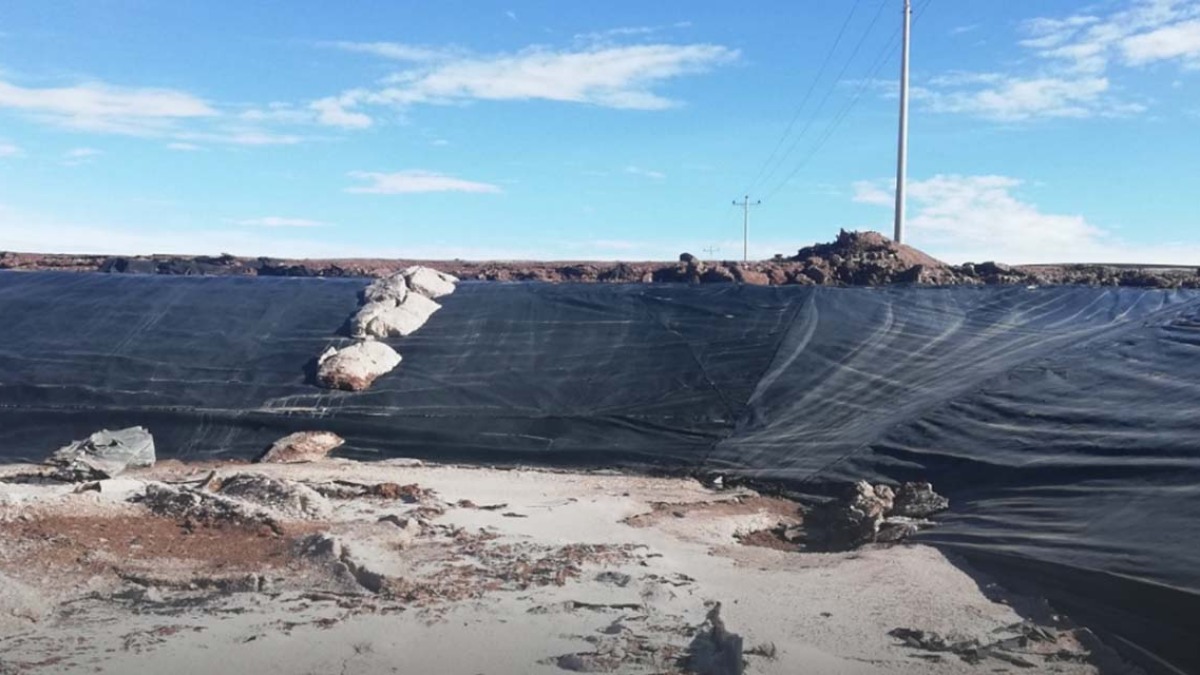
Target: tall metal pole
{"x": 746, "y": 204}
{"x": 902, "y": 153}
{"x": 746, "y": 229}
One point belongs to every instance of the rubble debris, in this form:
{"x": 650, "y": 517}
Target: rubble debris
{"x": 104, "y": 454}
{"x": 600, "y": 606}
{"x": 714, "y": 650}
{"x": 896, "y": 528}
{"x": 233, "y": 583}
{"x": 409, "y": 494}
{"x": 411, "y": 527}
{"x": 619, "y": 579}
{"x": 869, "y": 514}
{"x": 286, "y": 498}
{"x": 767, "y": 650}
{"x": 194, "y": 508}
{"x": 1026, "y": 645}
{"x": 356, "y": 367}
{"x": 302, "y": 446}
{"x": 918, "y": 500}
{"x": 849, "y": 522}
{"x": 781, "y": 537}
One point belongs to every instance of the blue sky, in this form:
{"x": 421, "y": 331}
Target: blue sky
{"x": 1052, "y": 130}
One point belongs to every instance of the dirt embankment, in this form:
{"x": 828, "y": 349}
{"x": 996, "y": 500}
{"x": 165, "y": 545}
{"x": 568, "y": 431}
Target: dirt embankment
{"x": 853, "y": 259}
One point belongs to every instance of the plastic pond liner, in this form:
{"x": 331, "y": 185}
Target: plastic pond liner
{"x": 1063, "y": 422}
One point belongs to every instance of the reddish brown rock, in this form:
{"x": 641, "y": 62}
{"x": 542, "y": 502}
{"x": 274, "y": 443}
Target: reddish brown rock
{"x": 751, "y": 277}
{"x": 356, "y": 367}
{"x": 853, "y": 259}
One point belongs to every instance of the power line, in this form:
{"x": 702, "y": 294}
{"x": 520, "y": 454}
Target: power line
{"x": 807, "y": 95}
{"x": 839, "y": 117}
{"x": 829, "y": 92}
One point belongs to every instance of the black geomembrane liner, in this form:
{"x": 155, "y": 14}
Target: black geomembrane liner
{"x": 1063, "y": 422}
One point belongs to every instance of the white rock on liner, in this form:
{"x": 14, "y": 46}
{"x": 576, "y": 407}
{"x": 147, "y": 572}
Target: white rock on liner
{"x": 387, "y": 319}
{"x": 356, "y": 367}
{"x": 428, "y": 281}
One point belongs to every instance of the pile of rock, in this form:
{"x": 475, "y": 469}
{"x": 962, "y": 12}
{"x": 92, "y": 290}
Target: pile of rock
{"x": 868, "y": 259}
{"x": 393, "y": 306}
{"x": 399, "y": 305}
{"x": 869, "y": 514}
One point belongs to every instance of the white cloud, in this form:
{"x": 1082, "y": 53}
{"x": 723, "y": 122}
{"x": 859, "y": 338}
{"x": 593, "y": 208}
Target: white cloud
{"x": 184, "y": 147}
{"x": 978, "y": 218}
{"x": 1075, "y": 60}
{"x": 630, "y": 31}
{"x": 395, "y": 50}
{"x": 98, "y": 106}
{"x": 638, "y": 171}
{"x": 277, "y": 112}
{"x": 623, "y": 77}
{"x": 277, "y": 221}
{"x": 874, "y": 193}
{"x": 332, "y": 111}
{"x": 250, "y": 137}
{"x": 416, "y": 181}
{"x": 150, "y": 113}
{"x": 1178, "y": 41}
{"x": 79, "y": 156}
{"x": 1016, "y": 99}
{"x": 9, "y": 150}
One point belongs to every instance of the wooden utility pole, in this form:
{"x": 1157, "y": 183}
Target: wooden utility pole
{"x": 746, "y": 204}
{"x": 902, "y": 153}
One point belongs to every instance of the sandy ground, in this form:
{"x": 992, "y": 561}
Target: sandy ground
{"x": 397, "y": 567}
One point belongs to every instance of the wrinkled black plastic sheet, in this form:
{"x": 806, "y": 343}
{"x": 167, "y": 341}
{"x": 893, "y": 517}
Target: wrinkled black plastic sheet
{"x": 1064, "y": 423}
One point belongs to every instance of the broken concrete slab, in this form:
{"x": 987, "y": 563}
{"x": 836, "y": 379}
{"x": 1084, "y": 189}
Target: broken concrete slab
{"x": 105, "y": 454}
